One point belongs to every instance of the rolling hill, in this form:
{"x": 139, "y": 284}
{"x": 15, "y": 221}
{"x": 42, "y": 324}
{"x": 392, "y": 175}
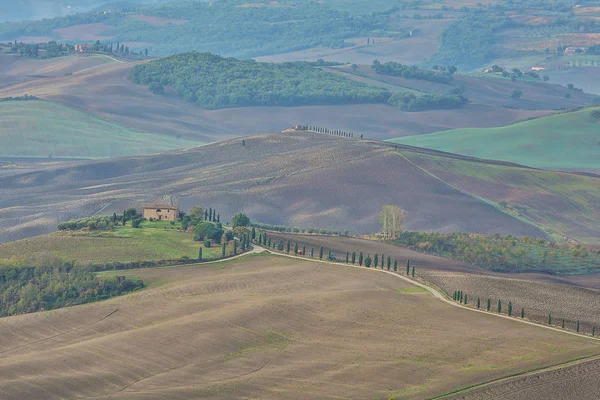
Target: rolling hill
{"x": 43, "y": 129}
{"x": 563, "y": 141}
{"x": 100, "y": 86}
{"x": 272, "y": 328}
{"x": 312, "y": 180}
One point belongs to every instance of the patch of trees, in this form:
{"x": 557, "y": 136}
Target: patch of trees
{"x": 102, "y": 222}
{"x": 471, "y": 42}
{"x": 49, "y": 49}
{"x": 411, "y": 72}
{"x": 30, "y": 289}
{"x": 214, "y": 82}
{"x": 594, "y": 49}
{"x": 596, "y": 115}
{"x": 505, "y": 253}
{"x": 25, "y": 97}
{"x": 407, "y": 101}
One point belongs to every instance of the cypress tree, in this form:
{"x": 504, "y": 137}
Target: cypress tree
{"x": 594, "y": 330}
{"x": 549, "y": 319}
{"x": 353, "y": 257}
{"x": 375, "y": 261}
{"x": 223, "y": 247}
{"x": 460, "y": 295}
{"x": 465, "y": 298}
{"x": 288, "y": 247}
{"x": 395, "y": 265}
{"x": 389, "y": 262}
{"x": 368, "y": 261}
{"x": 304, "y": 251}
{"x": 234, "y": 247}
{"x": 360, "y": 259}
{"x": 330, "y": 255}
{"x": 407, "y": 267}
{"x": 210, "y": 214}
{"x": 522, "y": 313}
{"x": 253, "y": 233}
{"x": 489, "y": 304}
{"x": 509, "y": 308}
{"x": 577, "y": 325}
{"x": 563, "y": 323}
{"x": 478, "y": 303}
{"x": 114, "y": 218}
{"x": 270, "y": 243}
{"x": 260, "y": 238}
{"x": 454, "y": 296}
{"x": 413, "y": 271}
{"x": 321, "y": 253}
{"x": 200, "y": 254}
{"x": 499, "y": 306}
{"x": 218, "y": 218}
{"x": 124, "y": 217}
{"x": 312, "y": 252}
{"x": 296, "y": 249}
{"x": 347, "y": 257}
{"x": 265, "y": 238}
{"x": 206, "y": 215}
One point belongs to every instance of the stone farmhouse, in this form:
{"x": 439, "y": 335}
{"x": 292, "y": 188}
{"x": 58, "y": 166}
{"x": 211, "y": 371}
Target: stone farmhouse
{"x": 161, "y": 212}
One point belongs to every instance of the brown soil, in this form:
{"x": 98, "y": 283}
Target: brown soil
{"x": 268, "y": 327}
{"x": 85, "y": 32}
{"x": 292, "y": 178}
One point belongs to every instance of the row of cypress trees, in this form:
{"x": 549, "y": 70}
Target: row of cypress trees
{"x": 327, "y": 131}
{"x": 462, "y": 298}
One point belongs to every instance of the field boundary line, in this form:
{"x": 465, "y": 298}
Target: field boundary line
{"x": 438, "y": 294}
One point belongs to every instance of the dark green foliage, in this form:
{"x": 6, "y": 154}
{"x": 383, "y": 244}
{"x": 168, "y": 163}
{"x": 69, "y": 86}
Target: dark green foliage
{"x": 321, "y": 253}
{"x": 563, "y": 323}
{"x": 594, "y": 330}
{"x": 215, "y": 82}
{"x": 136, "y": 223}
{"x": 91, "y": 223}
{"x": 389, "y": 262}
{"x": 407, "y": 101}
{"x": 478, "y": 303}
{"x": 234, "y": 246}
{"x": 509, "y": 308}
{"x": 454, "y": 296}
{"x": 395, "y": 265}
{"x": 382, "y": 260}
{"x": 596, "y": 115}
{"x": 353, "y": 257}
{"x": 577, "y": 329}
{"x": 368, "y": 261}
{"x": 31, "y": 289}
{"x": 281, "y": 245}
{"x": 522, "y": 312}
{"x": 207, "y": 243}
{"x": 471, "y": 42}
{"x": 360, "y": 259}
{"x": 465, "y": 301}
{"x": 240, "y": 220}
{"x": 375, "y": 260}
{"x": 208, "y": 230}
{"x": 253, "y": 233}
{"x": 489, "y": 305}
{"x": 304, "y": 250}
{"x": 413, "y": 271}
{"x": 410, "y": 72}
{"x": 407, "y": 267}
{"x": 223, "y": 248}
{"x": 499, "y": 307}
{"x": 296, "y": 249}
{"x": 330, "y": 256}
{"x": 288, "y": 247}
{"x": 549, "y": 319}
{"x": 347, "y": 257}
{"x": 312, "y": 252}
{"x": 505, "y": 253}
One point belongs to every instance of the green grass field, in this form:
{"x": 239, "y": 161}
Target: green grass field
{"x": 570, "y": 140}
{"x": 154, "y": 241}
{"x": 44, "y": 129}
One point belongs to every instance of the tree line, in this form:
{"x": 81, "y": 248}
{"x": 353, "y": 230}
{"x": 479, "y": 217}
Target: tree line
{"x": 327, "y": 131}
{"x": 37, "y": 288}
{"x": 462, "y": 298}
{"x": 412, "y": 72}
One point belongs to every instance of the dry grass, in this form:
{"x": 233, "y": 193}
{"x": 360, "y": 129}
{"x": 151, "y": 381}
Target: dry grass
{"x": 267, "y": 327}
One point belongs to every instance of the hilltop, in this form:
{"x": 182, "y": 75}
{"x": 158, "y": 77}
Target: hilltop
{"x": 311, "y": 180}
{"x": 562, "y": 141}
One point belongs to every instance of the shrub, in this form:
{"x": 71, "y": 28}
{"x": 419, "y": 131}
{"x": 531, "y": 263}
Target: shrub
{"x": 207, "y": 243}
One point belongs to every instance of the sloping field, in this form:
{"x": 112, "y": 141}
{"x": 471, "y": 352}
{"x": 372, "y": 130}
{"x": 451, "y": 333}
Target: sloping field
{"x": 566, "y": 205}
{"x": 43, "y": 129}
{"x": 268, "y": 327}
{"x": 104, "y": 91}
{"x": 292, "y": 178}
{"x": 560, "y": 141}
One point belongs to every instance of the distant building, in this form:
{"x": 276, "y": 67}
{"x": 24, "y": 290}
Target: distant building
{"x": 161, "y": 212}
{"x": 82, "y": 48}
{"x": 536, "y": 69}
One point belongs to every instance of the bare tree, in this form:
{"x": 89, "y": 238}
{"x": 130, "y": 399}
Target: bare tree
{"x": 391, "y": 219}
